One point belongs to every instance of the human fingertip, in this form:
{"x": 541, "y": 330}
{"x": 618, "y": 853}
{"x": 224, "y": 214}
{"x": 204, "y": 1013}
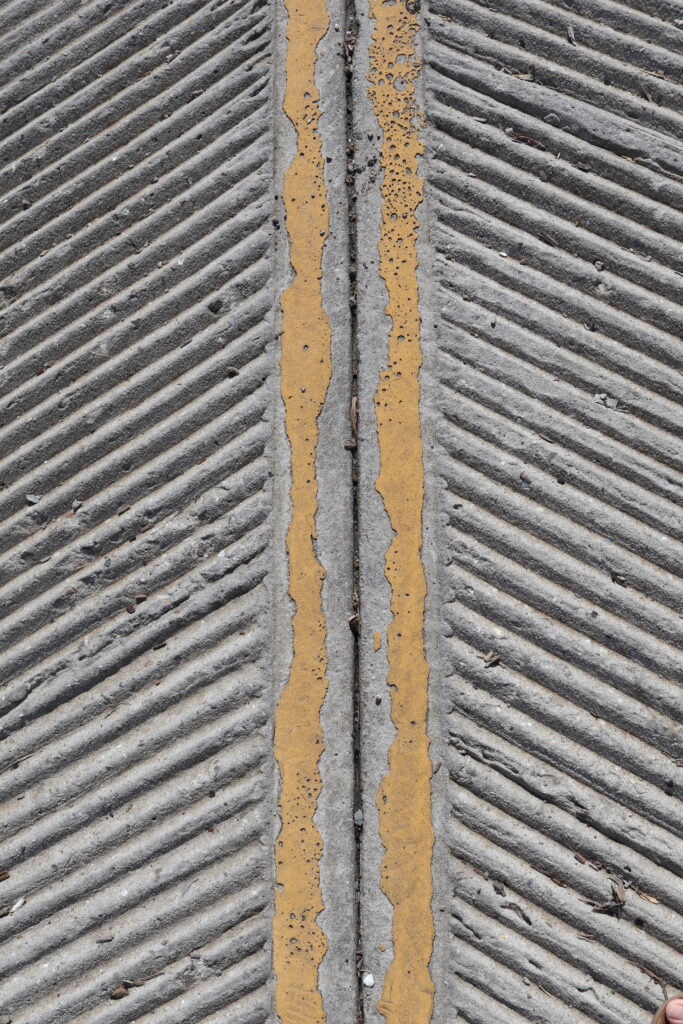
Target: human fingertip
{"x": 674, "y": 1011}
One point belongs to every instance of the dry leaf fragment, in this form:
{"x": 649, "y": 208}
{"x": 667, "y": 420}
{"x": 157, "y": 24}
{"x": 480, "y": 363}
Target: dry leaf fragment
{"x": 527, "y": 140}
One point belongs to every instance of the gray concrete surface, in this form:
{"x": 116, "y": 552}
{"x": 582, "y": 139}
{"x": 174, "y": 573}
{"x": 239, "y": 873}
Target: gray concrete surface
{"x": 553, "y": 386}
{"x": 144, "y": 468}
{"x": 138, "y": 296}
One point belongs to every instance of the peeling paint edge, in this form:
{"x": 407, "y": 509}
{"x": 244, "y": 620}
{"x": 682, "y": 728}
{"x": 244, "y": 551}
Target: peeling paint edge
{"x": 299, "y": 943}
{"x": 404, "y": 797}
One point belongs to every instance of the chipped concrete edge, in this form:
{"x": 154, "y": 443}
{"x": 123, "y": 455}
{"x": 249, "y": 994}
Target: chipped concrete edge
{"x": 432, "y": 524}
{"x": 281, "y": 603}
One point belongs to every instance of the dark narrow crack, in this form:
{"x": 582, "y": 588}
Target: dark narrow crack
{"x": 348, "y": 47}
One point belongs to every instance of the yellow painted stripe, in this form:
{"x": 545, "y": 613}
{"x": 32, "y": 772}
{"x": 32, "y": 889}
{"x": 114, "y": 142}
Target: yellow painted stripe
{"x": 404, "y": 798}
{"x": 298, "y": 943}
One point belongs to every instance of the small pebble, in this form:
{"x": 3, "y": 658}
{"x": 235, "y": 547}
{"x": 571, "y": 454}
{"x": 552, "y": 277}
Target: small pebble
{"x": 368, "y": 980}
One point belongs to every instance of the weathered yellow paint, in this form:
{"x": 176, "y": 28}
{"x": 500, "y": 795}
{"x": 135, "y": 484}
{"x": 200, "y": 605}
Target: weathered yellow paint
{"x": 376, "y": 641}
{"x": 404, "y": 798}
{"x": 298, "y": 942}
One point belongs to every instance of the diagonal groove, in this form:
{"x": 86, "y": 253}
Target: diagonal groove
{"x": 136, "y": 260}
{"x": 555, "y": 176}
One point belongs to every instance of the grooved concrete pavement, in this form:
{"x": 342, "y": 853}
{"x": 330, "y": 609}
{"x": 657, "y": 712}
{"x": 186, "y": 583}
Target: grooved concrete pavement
{"x": 218, "y": 515}
{"x": 554, "y": 394}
